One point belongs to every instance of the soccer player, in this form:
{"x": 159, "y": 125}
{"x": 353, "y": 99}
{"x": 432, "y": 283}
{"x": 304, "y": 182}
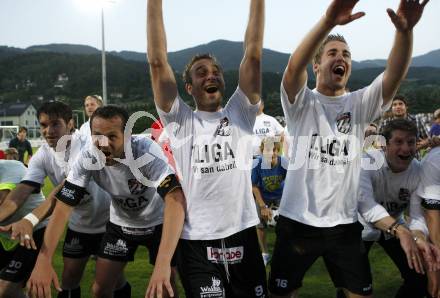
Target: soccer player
{"x": 16, "y": 261}
{"x": 429, "y": 191}
{"x": 386, "y": 193}
{"x": 120, "y": 166}
{"x": 218, "y": 251}
{"x": 91, "y": 103}
{"x": 88, "y": 220}
{"x": 265, "y": 126}
{"x": 267, "y": 185}
{"x": 318, "y": 211}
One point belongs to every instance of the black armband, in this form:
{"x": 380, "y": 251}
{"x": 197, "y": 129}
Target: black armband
{"x": 167, "y": 185}
{"x": 71, "y": 194}
{"x": 431, "y": 204}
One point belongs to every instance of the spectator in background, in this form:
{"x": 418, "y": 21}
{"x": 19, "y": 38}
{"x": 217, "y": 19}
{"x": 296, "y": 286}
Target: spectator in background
{"x": 435, "y": 128}
{"x": 399, "y": 109}
{"x": 91, "y": 103}
{"x": 265, "y": 126}
{"x": 22, "y": 145}
{"x": 267, "y": 186}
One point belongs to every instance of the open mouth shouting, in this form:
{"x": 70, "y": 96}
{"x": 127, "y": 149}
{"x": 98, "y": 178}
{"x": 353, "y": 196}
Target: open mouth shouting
{"x": 405, "y": 157}
{"x": 339, "y": 70}
{"x": 211, "y": 89}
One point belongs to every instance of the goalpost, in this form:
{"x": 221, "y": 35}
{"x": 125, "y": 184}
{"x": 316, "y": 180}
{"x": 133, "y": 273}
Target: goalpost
{"x": 7, "y": 132}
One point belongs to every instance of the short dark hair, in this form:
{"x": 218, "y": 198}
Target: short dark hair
{"x": 329, "y": 38}
{"x": 186, "y": 73}
{"x": 56, "y": 109}
{"x": 109, "y": 112}
{"x": 401, "y": 98}
{"x": 398, "y": 124}
{"x": 22, "y": 128}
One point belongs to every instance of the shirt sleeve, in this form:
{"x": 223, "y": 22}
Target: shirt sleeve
{"x": 241, "y": 108}
{"x": 36, "y": 172}
{"x": 429, "y": 187}
{"x": 177, "y": 117}
{"x": 417, "y": 220}
{"x": 294, "y": 111}
{"x": 370, "y": 210}
{"x": 372, "y": 101}
{"x": 79, "y": 174}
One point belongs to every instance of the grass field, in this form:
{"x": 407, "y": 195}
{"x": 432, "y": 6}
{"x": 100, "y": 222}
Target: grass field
{"x": 316, "y": 283}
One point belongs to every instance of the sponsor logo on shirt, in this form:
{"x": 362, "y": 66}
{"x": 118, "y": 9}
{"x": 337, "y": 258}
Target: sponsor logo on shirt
{"x": 214, "y": 290}
{"x": 223, "y": 129}
{"x": 230, "y": 255}
{"x": 343, "y": 122}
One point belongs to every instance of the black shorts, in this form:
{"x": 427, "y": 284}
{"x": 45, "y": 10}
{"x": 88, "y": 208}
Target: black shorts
{"x": 120, "y": 243}
{"x": 16, "y": 265}
{"x": 298, "y": 246}
{"x": 79, "y": 245}
{"x": 231, "y": 267}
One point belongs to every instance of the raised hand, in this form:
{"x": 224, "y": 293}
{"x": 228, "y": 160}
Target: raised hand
{"x": 340, "y": 12}
{"x": 408, "y": 14}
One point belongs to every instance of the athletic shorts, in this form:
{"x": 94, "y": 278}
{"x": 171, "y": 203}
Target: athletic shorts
{"x": 297, "y": 247}
{"x": 79, "y": 245}
{"x": 17, "y": 265}
{"x": 120, "y": 243}
{"x": 229, "y": 267}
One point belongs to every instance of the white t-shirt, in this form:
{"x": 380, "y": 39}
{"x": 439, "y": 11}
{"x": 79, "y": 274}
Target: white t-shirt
{"x": 265, "y": 126}
{"x": 383, "y": 192}
{"x": 12, "y": 172}
{"x": 133, "y": 204}
{"x": 205, "y": 146}
{"x": 322, "y": 181}
{"x": 85, "y": 131}
{"x": 92, "y": 214}
{"x": 429, "y": 188}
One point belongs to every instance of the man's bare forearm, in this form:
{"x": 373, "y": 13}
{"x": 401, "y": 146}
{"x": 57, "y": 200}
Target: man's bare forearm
{"x": 174, "y": 216}
{"x": 397, "y": 64}
{"x": 15, "y": 199}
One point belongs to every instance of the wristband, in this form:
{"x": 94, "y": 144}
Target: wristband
{"x": 392, "y": 227}
{"x": 32, "y": 219}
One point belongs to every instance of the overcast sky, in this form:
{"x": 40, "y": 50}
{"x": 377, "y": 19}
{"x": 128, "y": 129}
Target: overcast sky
{"x": 189, "y": 23}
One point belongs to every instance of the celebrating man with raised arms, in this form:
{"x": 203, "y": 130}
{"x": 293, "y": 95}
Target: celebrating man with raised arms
{"x": 218, "y": 251}
{"x": 319, "y": 205}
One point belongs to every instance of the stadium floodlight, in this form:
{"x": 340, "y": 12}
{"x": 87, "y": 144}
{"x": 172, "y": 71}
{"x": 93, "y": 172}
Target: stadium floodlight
{"x": 100, "y": 4}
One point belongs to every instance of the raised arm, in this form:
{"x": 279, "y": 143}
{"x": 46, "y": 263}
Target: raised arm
{"x": 338, "y": 13}
{"x": 250, "y": 67}
{"x": 406, "y": 17}
{"x": 162, "y": 76}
